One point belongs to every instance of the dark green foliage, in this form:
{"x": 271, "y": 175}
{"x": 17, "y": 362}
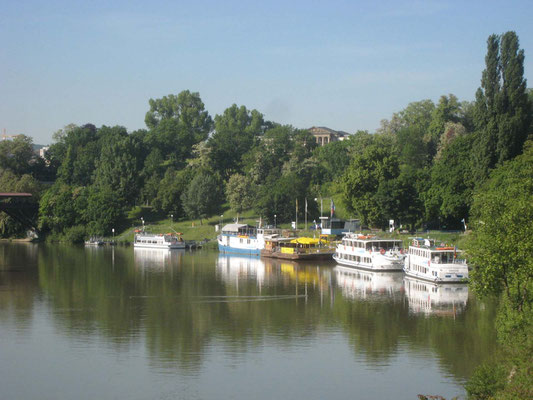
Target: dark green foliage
{"x": 176, "y": 124}
{"x": 500, "y": 249}
{"x": 170, "y": 190}
{"x": 449, "y": 196}
{"x": 82, "y": 151}
{"x": 10, "y": 182}
{"x": 277, "y": 196}
{"x": 448, "y": 110}
{"x": 17, "y": 155}
{"x": 399, "y": 199}
{"x": 76, "y": 234}
{"x": 375, "y": 165}
{"x": 61, "y": 207}
{"x": 486, "y": 381}
{"x": 332, "y": 160}
{"x": 503, "y": 110}
{"x": 104, "y": 210}
{"x": 203, "y": 197}
{"x": 240, "y": 192}
{"x": 236, "y": 132}
{"x": 186, "y": 109}
{"x": 119, "y": 165}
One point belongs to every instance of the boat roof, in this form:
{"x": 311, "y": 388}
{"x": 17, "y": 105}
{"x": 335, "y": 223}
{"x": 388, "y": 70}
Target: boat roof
{"x": 368, "y": 238}
{"x": 429, "y": 244}
{"x": 235, "y": 227}
{"x": 306, "y": 240}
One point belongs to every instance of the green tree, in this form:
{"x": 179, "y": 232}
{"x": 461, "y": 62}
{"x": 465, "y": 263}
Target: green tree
{"x": 236, "y": 132}
{"x": 82, "y": 151}
{"x": 61, "y": 207}
{"x": 119, "y": 164}
{"x": 176, "y": 124}
{"x": 10, "y": 182}
{"x": 375, "y": 164}
{"x": 500, "y": 249}
{"x": 170, "y": 190}
{"x": 240, "y": 192}
{"x": 203, "y": 197}
{"x": 17, "y": 155}
{"x": 104, "y": 210}
{"x": 278, "y": 195}
{"x": 449, "y": 196}
{"x": 503, "y": 110}
{"x": 448, "y": 110}
{"x": 186, "y": 108}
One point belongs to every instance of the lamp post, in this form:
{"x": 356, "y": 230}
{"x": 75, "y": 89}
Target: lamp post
{"x": 321, "y": 204}
{"x": 172, "y": 217}
{"x": 275, "y": 222}
{"x": 142, "y": 220}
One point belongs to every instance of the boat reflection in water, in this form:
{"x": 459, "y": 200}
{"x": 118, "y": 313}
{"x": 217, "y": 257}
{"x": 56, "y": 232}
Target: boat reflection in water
{"x": 232, "y": 268}
{"x": 424, "y": 297}
{"x": 270, "y": 272}
{"x": 361, "y": 284}
{"x": 156, "y": 258}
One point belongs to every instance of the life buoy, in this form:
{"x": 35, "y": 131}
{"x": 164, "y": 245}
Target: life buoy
{"x": 401, "y": 251}
{"x": 382, "y": 251}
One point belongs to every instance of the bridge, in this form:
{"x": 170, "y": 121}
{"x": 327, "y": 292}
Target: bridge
{"x": 20, "y": 207}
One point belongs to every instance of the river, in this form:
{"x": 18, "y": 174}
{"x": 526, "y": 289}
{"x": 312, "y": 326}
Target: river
{"x": 124, "y": 323}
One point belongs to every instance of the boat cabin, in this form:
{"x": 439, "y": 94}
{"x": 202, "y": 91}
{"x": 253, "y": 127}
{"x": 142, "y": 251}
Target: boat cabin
{"x": 239, "y": 230}
{"x": 371, "y": 242}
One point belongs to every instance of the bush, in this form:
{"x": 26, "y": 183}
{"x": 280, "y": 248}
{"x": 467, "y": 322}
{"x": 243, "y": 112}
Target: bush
{"x": 76, "y": 234}
{"x": 486, "y": 381}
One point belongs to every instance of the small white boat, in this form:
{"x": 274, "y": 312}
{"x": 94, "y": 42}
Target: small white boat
{"x": 94, "y": 241}
{"x": 437, "y": 264}
{"x": 161, "y": 241}
{"x": 370, "y": 252}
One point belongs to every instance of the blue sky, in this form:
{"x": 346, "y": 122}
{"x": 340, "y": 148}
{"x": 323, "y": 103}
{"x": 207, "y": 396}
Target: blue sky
{"x": 341, "y": 64}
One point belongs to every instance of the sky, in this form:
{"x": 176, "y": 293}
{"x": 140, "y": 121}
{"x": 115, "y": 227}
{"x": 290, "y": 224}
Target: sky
{"x": 345, "y": 65}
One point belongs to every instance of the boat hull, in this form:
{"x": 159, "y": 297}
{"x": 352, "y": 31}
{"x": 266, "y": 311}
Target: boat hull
{"x": 385, "y": 267}
{"x": 298, "y": 256}
{"x": 237, "y": 250}
{"x": 173, "y": 246}
{"x": 440, "y": 273}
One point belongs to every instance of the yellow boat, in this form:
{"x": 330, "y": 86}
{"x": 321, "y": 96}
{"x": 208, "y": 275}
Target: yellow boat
{"x": 302, "y": 248}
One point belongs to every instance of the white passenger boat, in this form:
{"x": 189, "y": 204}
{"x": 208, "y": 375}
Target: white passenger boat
{"x": 370, "y": 252}
{"x": 161, "y": 241}
{"x": 435, "y": 298}
{"x": 434, "y": 263}
{"x": 244, "y": 239}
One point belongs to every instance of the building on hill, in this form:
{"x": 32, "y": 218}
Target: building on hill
{"x": 325, "y": 135}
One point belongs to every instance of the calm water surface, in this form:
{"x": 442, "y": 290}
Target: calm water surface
{"x": 124, "y": 323}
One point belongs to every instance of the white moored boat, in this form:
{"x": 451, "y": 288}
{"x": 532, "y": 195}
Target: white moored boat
{"x": 434, "y": 263}
{"x": 244, "y": 239}
{"x": 370, "y": 252}
{"x": 160, "y": 241}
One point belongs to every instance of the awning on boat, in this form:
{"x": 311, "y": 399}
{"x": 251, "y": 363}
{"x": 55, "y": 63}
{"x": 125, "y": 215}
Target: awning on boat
{"x": 306, "y": 240}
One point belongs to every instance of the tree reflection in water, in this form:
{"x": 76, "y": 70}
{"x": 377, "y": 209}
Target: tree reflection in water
{"x": 177, "y": 304}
